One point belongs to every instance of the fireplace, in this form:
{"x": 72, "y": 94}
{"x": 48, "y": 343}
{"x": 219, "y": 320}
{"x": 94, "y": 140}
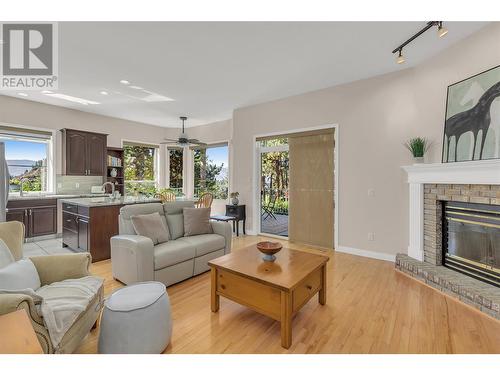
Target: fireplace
{"x": 471, "y": 239}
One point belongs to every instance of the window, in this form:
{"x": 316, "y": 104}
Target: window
{"x": 175, "y": 170}
{"x": 140, "y": 169}
{"x": 27, "y": 155}
{"x": 211, "y": 171}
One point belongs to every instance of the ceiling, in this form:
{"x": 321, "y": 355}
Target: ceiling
{"x": 211, "y": 68}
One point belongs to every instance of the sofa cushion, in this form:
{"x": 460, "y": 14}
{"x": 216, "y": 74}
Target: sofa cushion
{"x": 205, "y": 243}
{"x": 20, "y": 275}
{"x": 172, "y": 252}
{"x": 197, "y": 221}
{"x": 151, "y": 226}
{"x": 175, "y": 217}
{"x": 6, "y": 257}
{"x": 126, "y": 212}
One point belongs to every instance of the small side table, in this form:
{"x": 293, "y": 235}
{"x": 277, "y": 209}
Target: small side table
{"x": 224, "y": 218}
{"x": 239, "y": 214}
{"x": 18, "y": 335}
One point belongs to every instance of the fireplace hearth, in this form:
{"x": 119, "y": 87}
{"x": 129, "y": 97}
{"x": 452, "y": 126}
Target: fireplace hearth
{"x": 471, "y": 240}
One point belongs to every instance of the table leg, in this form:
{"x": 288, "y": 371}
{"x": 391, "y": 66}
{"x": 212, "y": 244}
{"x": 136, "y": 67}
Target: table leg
{"x": 234, "y": 228}
{"x": 214, "y": 300}
{"x": 244, "y": 225}
{"x": 322, "y": 291}
{"x": 286, "y": 319}
{"x": 237, "y": 228}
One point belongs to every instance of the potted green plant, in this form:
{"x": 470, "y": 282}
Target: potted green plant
{"x": 234, "y": 198}
{"x": 418, "y": 146}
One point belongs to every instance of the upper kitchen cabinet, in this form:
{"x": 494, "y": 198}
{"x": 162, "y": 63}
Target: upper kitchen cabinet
{"x": 84, "y": 153}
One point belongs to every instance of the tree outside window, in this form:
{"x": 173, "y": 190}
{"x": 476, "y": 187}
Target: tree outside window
{"x": 139, "y": 170}
{"x": 175, "y": 170}
{"x": 210, "y": 171}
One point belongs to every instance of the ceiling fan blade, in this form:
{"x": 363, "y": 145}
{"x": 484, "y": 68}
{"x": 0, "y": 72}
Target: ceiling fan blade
{"x": 169, "y": 143}
{"x": 197, "y": 142}
{"x": 170, "y": 140}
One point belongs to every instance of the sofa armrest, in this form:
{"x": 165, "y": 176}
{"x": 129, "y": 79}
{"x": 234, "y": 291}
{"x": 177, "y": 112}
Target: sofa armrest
{"x": 223, "y": 228}
{"x": 52, "y": 268}
{"x": 10, "y": 302}
{"x": 132, "y": 258}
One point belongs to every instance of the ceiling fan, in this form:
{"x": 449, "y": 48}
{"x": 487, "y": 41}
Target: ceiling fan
{"x": 183, "y": 139}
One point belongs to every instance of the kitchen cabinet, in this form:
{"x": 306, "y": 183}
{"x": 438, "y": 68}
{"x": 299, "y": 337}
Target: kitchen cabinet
{"x": 90, "y": 228}
{"x": 39, "y": 216}
{"x": 84, "y": 153}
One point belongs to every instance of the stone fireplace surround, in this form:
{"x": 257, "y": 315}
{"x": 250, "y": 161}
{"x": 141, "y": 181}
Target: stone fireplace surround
{"x": 430, "y": 184}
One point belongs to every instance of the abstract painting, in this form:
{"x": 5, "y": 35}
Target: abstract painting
{"x": 472, "y": 124}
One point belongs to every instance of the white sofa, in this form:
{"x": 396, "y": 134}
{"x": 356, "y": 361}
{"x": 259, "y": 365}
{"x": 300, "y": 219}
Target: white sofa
{"x": 135, "y": 259}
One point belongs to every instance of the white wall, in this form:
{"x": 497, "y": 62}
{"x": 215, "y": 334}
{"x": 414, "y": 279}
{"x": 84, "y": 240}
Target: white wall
{"x": 15, "y": 111}
{"x": 375, "y": 117}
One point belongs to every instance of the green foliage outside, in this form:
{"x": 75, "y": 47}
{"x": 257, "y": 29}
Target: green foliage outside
{"x": 274, "y": 176}
{"x": 32, "y": 178}
{"x": 139, "y": 170}
{"x": 205, "y": 176}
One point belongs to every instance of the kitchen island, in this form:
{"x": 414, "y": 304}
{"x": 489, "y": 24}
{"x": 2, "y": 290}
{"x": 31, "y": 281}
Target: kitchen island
{"x": 89, "y": 223}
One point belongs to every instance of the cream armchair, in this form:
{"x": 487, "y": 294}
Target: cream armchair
{"x": 51, "y": 268}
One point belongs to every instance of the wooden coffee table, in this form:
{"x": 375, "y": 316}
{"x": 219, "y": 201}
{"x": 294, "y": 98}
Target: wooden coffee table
{"x": 276, "y": 289}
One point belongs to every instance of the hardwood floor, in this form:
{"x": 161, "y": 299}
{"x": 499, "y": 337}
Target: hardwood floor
{"x": 371, "y": 308}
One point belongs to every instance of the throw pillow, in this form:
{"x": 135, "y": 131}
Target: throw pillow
{"x": 197, "y": 221}
{"x": 19, "y": 275}
{"x": 6, "y": 257}
{"x": 151, "y": 226}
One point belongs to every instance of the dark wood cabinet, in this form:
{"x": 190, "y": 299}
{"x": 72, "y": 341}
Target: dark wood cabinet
{"x": 43, "y": 221}
{"x": 39, "y": 216}
{"x": 90, "y": 228}
{"x": 84, "y": 153}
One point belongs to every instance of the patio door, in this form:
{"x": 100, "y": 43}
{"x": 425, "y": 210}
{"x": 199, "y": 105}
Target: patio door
{"x": 274, "y": 179}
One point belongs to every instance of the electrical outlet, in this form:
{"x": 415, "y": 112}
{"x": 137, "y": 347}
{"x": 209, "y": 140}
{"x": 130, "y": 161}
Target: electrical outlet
{"x": 371, "y": 192}
{"x": 77, "y": 185}
{"x": 371, "y": 236}
{"x": 59, "y": 185}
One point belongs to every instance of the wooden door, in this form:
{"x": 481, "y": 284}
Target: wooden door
{"x": 96, "y": 154}
{"x": 20, "y": 215}
{"x": 76, "y": 153}
{"x": 43, "y": 221}
{"x": 83, "y": 234}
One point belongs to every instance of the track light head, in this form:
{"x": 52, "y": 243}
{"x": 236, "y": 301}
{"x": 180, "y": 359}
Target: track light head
{"x": 400, "y": 59}
{"x": 442, "y": 31}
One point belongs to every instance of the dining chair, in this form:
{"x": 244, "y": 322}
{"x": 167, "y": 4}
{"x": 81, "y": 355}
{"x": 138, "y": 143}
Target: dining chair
{"x": 205, "y": 200}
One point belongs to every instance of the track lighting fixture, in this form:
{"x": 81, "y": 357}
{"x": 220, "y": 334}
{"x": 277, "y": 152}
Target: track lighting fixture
{"x": 401, "y": 59}
{"x": 442, "y": 31}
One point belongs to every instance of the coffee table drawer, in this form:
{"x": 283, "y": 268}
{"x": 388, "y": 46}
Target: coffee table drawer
{"x": 306, "y": 289}
{"x": 263, "y": 298}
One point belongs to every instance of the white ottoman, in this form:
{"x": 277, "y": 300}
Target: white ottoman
{"x": 136, "y": 319}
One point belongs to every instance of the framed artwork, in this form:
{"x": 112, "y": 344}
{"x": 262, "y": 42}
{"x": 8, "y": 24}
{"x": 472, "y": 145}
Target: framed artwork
{"x": 472, "y": 123}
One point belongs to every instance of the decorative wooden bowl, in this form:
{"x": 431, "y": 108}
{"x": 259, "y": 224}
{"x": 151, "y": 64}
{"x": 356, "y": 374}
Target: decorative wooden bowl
{"x": 269, "y": 248}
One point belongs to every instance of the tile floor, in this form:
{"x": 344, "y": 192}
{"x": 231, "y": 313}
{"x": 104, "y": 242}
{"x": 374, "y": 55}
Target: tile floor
{"x": 45, "y": 247}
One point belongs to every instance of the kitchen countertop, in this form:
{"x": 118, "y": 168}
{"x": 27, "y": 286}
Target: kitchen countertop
{"x": 106, "y": 201}
{"x": 53, "y": 196}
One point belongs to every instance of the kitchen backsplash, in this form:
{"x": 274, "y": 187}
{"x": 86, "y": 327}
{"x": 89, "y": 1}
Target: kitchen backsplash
{"x": 76, "y": 184}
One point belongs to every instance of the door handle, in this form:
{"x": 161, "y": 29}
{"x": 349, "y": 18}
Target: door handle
{"x": 30, "y": 211}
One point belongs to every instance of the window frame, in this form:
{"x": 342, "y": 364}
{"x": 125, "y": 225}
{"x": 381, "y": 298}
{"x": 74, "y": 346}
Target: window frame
{"x": 191, "y": 150}
{"x": 156, "y": 162}
{"x": 16, "y": 132}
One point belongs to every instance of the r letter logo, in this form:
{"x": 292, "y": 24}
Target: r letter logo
{"x": 29, "y": 56}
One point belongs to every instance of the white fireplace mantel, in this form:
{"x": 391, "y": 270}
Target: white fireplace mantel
{"x": 484, "y": 172}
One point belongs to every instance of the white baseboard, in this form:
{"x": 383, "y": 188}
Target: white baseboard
{"x": 366, "y": 253}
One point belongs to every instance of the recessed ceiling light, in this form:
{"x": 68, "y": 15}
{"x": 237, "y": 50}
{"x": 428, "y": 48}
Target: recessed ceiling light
{"x": 136, "y": 87}
{"x": 22, "y": 94}
{"x": 125, "y": 82}
{"x": 104, "y": 93}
